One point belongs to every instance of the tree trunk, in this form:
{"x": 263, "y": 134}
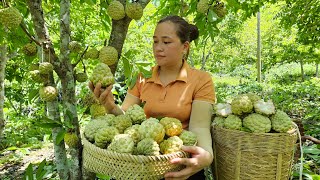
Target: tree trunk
{"x": 258, "y": 48}
{"x": 302, "y": 70}
{"x": 36, "y": 10}
{"x": 3, "y": 61}
{"x": 317, "y": 69}
{"x": 68, "y": 90}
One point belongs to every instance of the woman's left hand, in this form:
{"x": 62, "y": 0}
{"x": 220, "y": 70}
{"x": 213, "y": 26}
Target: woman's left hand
{"x": 199, "y": 159}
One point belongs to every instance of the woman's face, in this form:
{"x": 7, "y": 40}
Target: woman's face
{"x": 167, "y": 47}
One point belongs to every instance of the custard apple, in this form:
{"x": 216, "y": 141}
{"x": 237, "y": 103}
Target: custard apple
{"x": 29, "y": 49}
{"x": 122, "y": 122}
{"x": 36, "y": 76}
{"x": 232, "y": 122}
{"x": 281, "y": 122}
{"x": 218, "y": 121}
{"x": 136, "y": 114}
{"x": 222, "y": 109}
{"x": 48, "y": 93}
{"x": 257, "y": 123}
{"x": 104, "y": 135}
{"x": 122, "y": 143}
{"x": 151, "y": 128}
{"x": 171, "y": 145}
{"x": 133, "y": 131}
{"x": 148, "y": 147}
{"x": 253, "y": 97}
{"x": 75, "y": 46}
{"x": 108, "y": 55}
{"x": 108, "y": 119}
{"x": 189, "y": 138}
{"x": 172, "y": 126}
{"x": 241, "y": 104}
{"x": 102, "y": 73}
{"x": 116, "y": 10}
{"x": 134, "y": 11}
{"x": 71, "y": 139}
{"x": 97, "y": 110}
{"x": 81, "y": 77}
{"x": 264, "y": 108}
{"x": 92, "y": 53}
{"x": 45, "y": 68}
{"x": 203, "y": 6}
{"x": 220, "y": 9}
{"x": 10, "y": 17}
{"x": 92, "y": 127}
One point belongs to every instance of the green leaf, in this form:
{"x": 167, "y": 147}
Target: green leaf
{"x": 48, "y": 120}
{"x": 127, "y": 67}
{"x": 12, "y": 148}
{"x": 60, "y": 136}
{"x": 40, "y": 171}
{"x": 48, "y": 125}
{"x": 28, "y": 173}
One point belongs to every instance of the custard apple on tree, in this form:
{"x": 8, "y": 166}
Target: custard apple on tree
{"x": 108, "y": 55}
{"x": 92, "y": 53}
{"x": 48, "y": 93}
{"x": 171, "y": 145}
{"x": 45, "y": 68}
{"x": 133, "y": 131}
{"x": 36, "y": 76}
{"x": 134, "y": 10}
{"x": 148, "y": 147}
{"x": 172, "y": 126}
{"x": 116, "y": 10}
{"x": 75, "y": 46}
{"x": 281, "y": 122}
{"x": 257, "y": 123}
{"x": 122, "y": 122}
{"x": 71, "y": 139}
{"x": 241, "y": 105}
{"x": 232, "y": 122}
{"x": 10, "y": 17}
{"x": 151, "y": 128}
{"x": 122, "y": 143}
{"x": 104, "y": 135}
{"x": 102, "y": 73}
{"x": 220, "y": 9}
{"x": 29, "y": 49}
{"x": 189, "y": 138}
{"x": 81, "y": 77}
{"x": 264, "y": 108}
{"x": 203, "y": 6}
{"x": 136, "y": 114}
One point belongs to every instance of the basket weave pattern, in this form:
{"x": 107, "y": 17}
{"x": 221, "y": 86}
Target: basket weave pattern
{"x": 252, "y": 156}
{"x": 127, "y": 166}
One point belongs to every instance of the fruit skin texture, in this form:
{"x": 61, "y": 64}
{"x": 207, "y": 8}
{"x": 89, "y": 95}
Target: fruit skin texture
{"x": 81, "y": 77}
{"x": 92, "y": 127}
{"x": 257, "y": 123}
{"x": 92, "y": 53}
{"x": 116, "y": 10}
{"x": 97, "y": 110}
{"x": 189, "y": 138}
{"x": 134, "y": 11}
{"x": 281, "y": 122}
{"x": 108, "y": 55}
{"x": 75, "y": 46}
{"x": 150, "y": 128}
{"x": 45, "y": 68}
{"x": 122, "y": 122}
{"x": 102, "y": 73}
{"x": 71, "y": 139}
{"x": 148, "y": 147}
{"x": 233, "y": 122}
{"x": 218, "y": 121}
{"x": 29, "y": 49}
{"x": 136, "y": 114}
{"x": 10, "y": 17}
{"x": 105, "y": 136}
{"x": 36, "y": 76}
{"x": 122, "y": 143}
{"x": 253, "y": 97}
{"x": 172, "y": 126}
{"x": 171, "y": 145}
{"x": 241, "y": 105}
{"x": 133, "y": 131}
{"x": 203, "y": 6}
{"x": 48, "y": 93}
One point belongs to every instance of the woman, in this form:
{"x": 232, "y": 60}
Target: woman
{"x": 174, "y": 90}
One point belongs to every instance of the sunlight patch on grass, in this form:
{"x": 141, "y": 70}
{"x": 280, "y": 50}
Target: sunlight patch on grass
{"x": 226, "y": 80}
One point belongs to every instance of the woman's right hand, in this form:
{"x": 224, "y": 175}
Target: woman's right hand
{"x": 104, "y": 96}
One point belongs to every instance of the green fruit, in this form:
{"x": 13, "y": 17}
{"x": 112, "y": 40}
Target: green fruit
{"x": 97, "y": 110}
{"x": 241, "y": 105}
{"x": 91, "y": 54}
{"x": 171, "y": 145}
{"x": 133, "y": 131}
{"x": 116, "y": 10}
{"x": 203, "y": 6}
{"x": 134, "y": 11}
{"x": 104, "y": 136}
{"x": 29, "y": 49}
{"x": 257, "y": 123}
{"x": 148, "y": 147}
{"x": 189, "y": 138}
{"x": 36, "y": 76}
{"x": 45, "y": 68}
{"x": 220, "y": 9}
{"x": 108, "y": 55}
{"x": 75, "y": 46}
{"x": 48, "y": 93}
{"x": 281, "y": 122}
{"x": 122, "y": 122}
{"x": 81, "y": 77}
{"x": 152, "y": 129}
{"x": 71, "y": 139}
{"x": 122, "y": 143}
{"x": 10, "y": 17}
{"x": 232, "y": 122}
{"x": 102, "y": 73}
{"x": 172, "y": 126}
{"x": 136, "y": 113}
{"x": 92, "y": 127}
{"x": 218, "y": 121}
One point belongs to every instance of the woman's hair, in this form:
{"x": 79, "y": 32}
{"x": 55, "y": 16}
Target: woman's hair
{"x": 185, "y": 31}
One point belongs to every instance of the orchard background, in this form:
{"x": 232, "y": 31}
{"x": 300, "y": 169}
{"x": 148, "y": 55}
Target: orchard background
{"x": 268, "y": 47}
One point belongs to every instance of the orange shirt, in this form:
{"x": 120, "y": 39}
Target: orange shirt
{"x": 175, "y": 99}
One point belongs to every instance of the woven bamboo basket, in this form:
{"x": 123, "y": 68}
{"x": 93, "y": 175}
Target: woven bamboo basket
{"x": 253, "y": 156}
{"x": 127, "y": 166}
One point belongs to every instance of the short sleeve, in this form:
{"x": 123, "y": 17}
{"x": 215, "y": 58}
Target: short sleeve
{"x": 136, "y": 89}
{"x": 204, "y": 90}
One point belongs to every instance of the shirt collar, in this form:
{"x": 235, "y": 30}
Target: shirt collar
{"x": 182, "y": 76}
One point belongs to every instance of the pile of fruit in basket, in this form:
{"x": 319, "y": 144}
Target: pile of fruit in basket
{"x": 133, "y": 133}
{"x": 250, "y": 113}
